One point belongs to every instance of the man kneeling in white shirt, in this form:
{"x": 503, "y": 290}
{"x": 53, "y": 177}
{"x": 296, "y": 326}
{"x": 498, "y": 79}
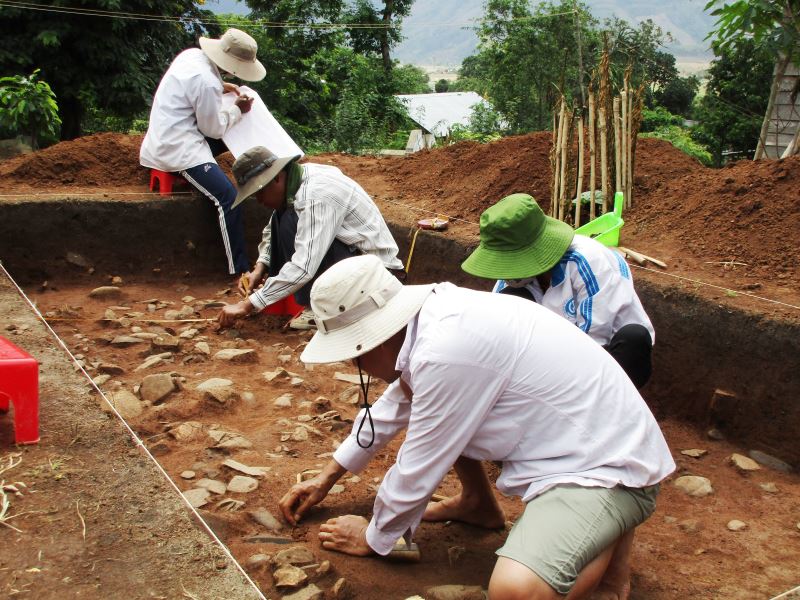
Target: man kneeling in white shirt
{"x": 488, "y": 377}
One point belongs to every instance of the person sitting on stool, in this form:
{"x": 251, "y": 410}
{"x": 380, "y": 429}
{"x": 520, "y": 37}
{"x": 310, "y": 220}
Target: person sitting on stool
{"x": 542, "y": 259}
{"x": 320, "y": 216}
{"x": 187, "y": 118}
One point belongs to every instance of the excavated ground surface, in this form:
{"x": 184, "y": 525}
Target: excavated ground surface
{"x": 702, "y": 222}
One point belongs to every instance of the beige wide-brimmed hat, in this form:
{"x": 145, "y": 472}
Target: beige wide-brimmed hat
{"x": 235, "y": 52}
{"x": 256, "y": 168}
{"x": 358, "y": 304}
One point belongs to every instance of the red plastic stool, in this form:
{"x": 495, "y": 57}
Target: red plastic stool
{"x": 19, "y": 383}
{"x": 162, "y": 181}
{"x": 287, "y": 306}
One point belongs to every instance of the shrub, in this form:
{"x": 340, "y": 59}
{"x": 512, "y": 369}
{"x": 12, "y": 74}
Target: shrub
{"x": 28, "y": 107}
{"x": 658, "y": 117}
{"x": 680, "y": 138}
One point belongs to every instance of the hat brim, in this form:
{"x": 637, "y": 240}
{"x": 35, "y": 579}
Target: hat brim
{"x": 368, "y": 332}
{"x": 257, "y": 182}
{"x": 537, "y": 258}
{"x": 247, "y": 71}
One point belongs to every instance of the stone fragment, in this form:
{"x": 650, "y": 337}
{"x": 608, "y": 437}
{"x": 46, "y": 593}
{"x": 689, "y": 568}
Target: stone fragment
{"x": 101, "y": 379}
{"x": 186, "y": 431}
{"x": 323, "y": 568}
{"x": 742, "y": 463}
{"x": 289, "y": 576}
{"x": 351, "y": 395}
{"x": 310, "y": 592}
{"x": 694, "y": 485}
{"x": 214, "y": 382}
{"x": 347, "y": 377}
{"x": 736, "y": 525}
{"x": 769, "y": 487}
{"x": 339, "y": 589}
{"x": 188, "y": 474}
{"x": 223, "y": 395}
{"x": 188, "y": 334}
{"x": 212, "y": 485}
{"x": 454, "y": 554}
{"x": 284, "y": 401}
{"x": 241, "y": 484}
{"x": 454, "y": 592}
{"x": 295, "y": 381}
{"x": 691, "y": 525}
{"x": 336, "y": 488}
{"x": 116, "y": 280}
{"x": 236, "y": 355}
{"x": 322, "y": 404}
{"x": 197, "y": 497}
{"x": 266, "y": 519}
{"x": 126, "y": 404}
{"x": 300, "y": 434}
{"x": 202, "y": 348}
{"x": 715, "y": 434}
{"x": 155, "y": 388}
{"x": 270, "y": 376}
{"x": 246, "y": 469}
{"x": 770, "y": 462}
{"x": 110, "y": 369}
{"x": 166, "y": 343}
{"x": 145, "y": 335}
{"x": 76, "y": 259}
{"x": 694, "y": 452}
{"x": 229, "y": 440}
{"x": 230, "y": 505}
{"x": 257, "y": 560}
{"x": 123, "y": 341}
{"x": 296, "y": 555}
{"x": 150, "y": 362}
{"x": 106, "y": 291}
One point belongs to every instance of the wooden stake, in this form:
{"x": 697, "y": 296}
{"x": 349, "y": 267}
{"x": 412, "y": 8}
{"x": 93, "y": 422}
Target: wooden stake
{"x": 629, "y": 141}
{"x": 623, "y": 146}
{"x": 579, "y": 189}
{"x": 617, "y": 157}
{"x": 563, "y": 171}
{"x": 603, "y": 157}
{"x": 591, "y": 155}
{"x": 557, "y": 183}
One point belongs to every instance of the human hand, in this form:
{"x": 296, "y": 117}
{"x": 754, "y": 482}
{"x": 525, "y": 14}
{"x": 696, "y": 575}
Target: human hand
{"x": 244, "y": 103}
{"x": 302, "y": 496}
{"x": 346, "y": 534}
{"x": 252, "y": 281}
{"x": 230, "y": 88}
{"x": 230, "y": 312}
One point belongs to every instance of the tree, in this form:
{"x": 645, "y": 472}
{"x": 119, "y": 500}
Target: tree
{"x": 113, "y": 62}
{"x": 410, "y": 79}
{"x": 678, "y": 94}
{"x": 377, "y": 32}
{"x": 442, "y": 86}
{"x": 28, "y": 107}
{"x": 773, "y": 25}
{"x": 736, "y": 95}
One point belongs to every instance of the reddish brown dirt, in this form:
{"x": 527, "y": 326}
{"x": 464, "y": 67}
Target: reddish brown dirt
{"x": 736, "y": 228}
{"x": 683, "y": 551}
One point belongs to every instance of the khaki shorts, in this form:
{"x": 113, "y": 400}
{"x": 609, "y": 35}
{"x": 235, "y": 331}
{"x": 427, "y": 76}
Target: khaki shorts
{"x": 562, "y": 530}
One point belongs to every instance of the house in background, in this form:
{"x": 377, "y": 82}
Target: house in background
{"x": 436, "y": 114}
{"x": 784, "y": 123}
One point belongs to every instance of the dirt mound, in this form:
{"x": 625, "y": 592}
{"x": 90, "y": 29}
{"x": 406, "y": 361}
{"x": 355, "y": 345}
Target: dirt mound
{"x": 104, "y": 159}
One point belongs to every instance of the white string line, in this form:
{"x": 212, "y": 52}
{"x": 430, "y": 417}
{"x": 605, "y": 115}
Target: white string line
{"x": 737, "y": 292}
{"x": 788, "y": 593}
{"x": 82, "y": 194}
{"x": 137, "y": 441}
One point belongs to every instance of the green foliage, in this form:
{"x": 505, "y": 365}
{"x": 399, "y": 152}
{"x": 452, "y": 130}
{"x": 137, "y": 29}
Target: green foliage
{"x": 376, "y": 41}
{"x": 737, "y": 92}
{"x": 28, "y": 107}
{"x": 773, "y": 25}
{"x": 681, "y": 139}
{"x": 485, "y": 125}
{"x": 442, "y": 86}
{"x": 410, "y": 79}
{"x": 658, "y": 117}
{"x": 116, "y": 62}
{"x": 678, "y": 94}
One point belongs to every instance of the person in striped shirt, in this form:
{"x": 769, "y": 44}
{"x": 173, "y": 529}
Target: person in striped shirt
{"x": 542, "y": 259}
{"x": 320, "y": 216}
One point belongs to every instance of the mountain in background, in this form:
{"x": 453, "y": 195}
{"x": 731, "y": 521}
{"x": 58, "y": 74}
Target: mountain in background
{"x": 440, "y": 32}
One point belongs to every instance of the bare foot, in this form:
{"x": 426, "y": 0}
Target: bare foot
{"x": 608, "y": 592}
{"x": 481, "y": 512}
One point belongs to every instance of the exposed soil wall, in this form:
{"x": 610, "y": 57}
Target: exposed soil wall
{"x": 700, "y": 346}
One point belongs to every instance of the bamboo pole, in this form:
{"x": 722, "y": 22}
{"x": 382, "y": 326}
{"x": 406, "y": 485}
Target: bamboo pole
{"x": 603, "y": 157}
{"x": 579, "y": 189}
{"x": 623, "y": 145}
{"x": 629, "y": 154}
{"x": 591, "y": 155}
{"x": 617, "y": 157}
{"x": 563, "y": 170}
{"x": 557, "y": 161}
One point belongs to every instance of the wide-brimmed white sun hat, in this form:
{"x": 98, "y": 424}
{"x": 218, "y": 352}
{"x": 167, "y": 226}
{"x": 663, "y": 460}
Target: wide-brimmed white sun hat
{"x": 358, "y": 304}
{"x": 235, "y": 52}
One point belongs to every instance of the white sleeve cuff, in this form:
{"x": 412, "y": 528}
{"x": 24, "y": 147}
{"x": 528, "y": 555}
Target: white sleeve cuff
{"x": 380, "y": 542}
{"x": 256, "y": 301}
{"x": 352, "y": 456}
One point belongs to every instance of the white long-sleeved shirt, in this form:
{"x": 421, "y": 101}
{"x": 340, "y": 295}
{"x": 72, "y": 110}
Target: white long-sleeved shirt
{"x": 592, "y": 287}
{"x": 496, "y": 377}
{"x": 187, "y": 107}
{"x": 329, "y": 206}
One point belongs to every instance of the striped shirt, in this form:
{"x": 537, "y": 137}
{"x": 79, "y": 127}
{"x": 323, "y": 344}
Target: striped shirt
{"x": 329, "y": 206}
{"x": 592, "y": 287}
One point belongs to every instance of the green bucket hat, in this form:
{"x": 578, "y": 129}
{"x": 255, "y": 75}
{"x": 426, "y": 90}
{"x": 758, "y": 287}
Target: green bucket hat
{"x": 518, "y": 240}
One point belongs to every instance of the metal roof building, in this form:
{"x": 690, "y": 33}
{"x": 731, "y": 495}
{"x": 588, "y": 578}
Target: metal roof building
{"x": 436, "y": 113}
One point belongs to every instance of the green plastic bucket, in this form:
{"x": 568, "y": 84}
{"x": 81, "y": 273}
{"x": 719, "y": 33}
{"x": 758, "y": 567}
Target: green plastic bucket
{"x": 605, "y": 228}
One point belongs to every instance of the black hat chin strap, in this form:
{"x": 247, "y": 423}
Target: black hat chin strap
{"x": 367, "y": 415}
